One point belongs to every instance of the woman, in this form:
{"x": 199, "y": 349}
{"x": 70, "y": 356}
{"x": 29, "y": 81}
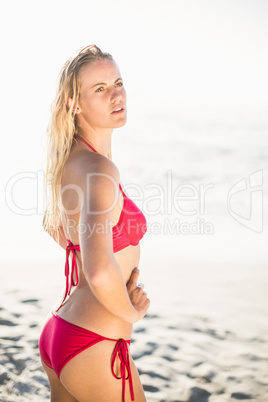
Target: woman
{"x": 84, "y": 344}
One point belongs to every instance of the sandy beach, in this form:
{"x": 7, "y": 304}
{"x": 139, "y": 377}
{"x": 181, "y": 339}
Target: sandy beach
{"x": 194, "y": 152}
{"x": 203, "y": 339}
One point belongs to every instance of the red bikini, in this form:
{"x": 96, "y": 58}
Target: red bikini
{"x": 61, "y": 340}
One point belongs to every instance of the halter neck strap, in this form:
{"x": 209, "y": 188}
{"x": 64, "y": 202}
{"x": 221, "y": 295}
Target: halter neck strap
{"x": 82, "y": 139}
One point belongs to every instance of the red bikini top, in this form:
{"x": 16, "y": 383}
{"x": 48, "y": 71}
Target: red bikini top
{"x": 131, "y": 226}
{"x": 129, "y": 230}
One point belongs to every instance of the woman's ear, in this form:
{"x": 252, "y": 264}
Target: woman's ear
{"x": 75, "y": 108}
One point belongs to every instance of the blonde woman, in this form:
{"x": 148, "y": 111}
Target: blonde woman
{"x": 84, "y": 344}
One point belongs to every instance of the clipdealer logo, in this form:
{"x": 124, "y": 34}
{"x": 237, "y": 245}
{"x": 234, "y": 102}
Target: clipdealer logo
{"x": 251, "y": 190}
{"x": 247, "y": 191}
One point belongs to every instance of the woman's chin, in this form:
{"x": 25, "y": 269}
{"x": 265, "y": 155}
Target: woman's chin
{"x": 120, "y": 123}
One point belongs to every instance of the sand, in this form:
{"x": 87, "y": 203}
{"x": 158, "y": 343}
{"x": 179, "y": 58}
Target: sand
{"x": 205, "y": 337}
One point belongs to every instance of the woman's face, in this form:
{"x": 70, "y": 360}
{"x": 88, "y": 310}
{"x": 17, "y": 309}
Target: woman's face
{"x": 102, "y": 101}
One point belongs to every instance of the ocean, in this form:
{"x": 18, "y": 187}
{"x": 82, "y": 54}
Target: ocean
{"x": 199, "y": 174}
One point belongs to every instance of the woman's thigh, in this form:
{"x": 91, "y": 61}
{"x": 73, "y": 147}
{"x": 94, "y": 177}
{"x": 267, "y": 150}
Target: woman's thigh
{"x": 88, "y": 376}
{"x": 57, "y": 391}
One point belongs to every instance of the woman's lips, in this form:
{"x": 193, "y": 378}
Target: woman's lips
{"x": 118, "y": 109}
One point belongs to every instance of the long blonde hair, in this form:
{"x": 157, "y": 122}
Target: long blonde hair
{"x": 62, "y": 130}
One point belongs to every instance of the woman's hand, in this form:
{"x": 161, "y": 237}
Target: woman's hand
{"x": 137, "y": 295}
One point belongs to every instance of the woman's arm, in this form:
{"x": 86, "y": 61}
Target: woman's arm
{"x": 101, "y": 269}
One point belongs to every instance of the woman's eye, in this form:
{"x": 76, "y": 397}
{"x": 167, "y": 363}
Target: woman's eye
{"x": 100, "y": 89}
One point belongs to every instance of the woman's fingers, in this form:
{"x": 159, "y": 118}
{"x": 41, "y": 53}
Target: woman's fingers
{"x": 132, "y": 283}
{"x": 137, "y": 295}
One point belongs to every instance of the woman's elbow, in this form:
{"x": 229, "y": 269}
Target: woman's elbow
{"x": 97, "y": 278}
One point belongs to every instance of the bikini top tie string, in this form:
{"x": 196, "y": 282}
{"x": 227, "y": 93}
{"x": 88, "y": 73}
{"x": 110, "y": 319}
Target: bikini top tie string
{"x": 70, "y": 249}
{"x": 121, "y": 350}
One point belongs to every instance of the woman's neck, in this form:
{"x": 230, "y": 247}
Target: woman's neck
{"x": 101, "y": 141}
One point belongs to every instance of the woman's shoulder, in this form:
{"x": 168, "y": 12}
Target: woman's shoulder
{"x": 82, "y": 165}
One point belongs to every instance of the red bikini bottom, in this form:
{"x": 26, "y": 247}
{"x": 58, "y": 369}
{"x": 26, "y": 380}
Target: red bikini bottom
{"x": 60, "y": 341}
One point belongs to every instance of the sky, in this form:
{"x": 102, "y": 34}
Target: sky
{"x": 170, "y": 53}
{"x": 194, "y": 50}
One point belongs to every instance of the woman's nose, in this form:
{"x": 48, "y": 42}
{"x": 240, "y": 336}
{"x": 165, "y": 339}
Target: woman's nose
{"x": 116, "y": 94}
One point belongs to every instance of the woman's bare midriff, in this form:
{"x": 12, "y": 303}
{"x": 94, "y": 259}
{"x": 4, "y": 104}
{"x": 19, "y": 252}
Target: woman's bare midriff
{"x": 83, "y": 309}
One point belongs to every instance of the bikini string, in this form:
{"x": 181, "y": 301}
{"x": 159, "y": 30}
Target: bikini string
{"x": 121, "y": 349}
{"x": 70, "y": 249}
